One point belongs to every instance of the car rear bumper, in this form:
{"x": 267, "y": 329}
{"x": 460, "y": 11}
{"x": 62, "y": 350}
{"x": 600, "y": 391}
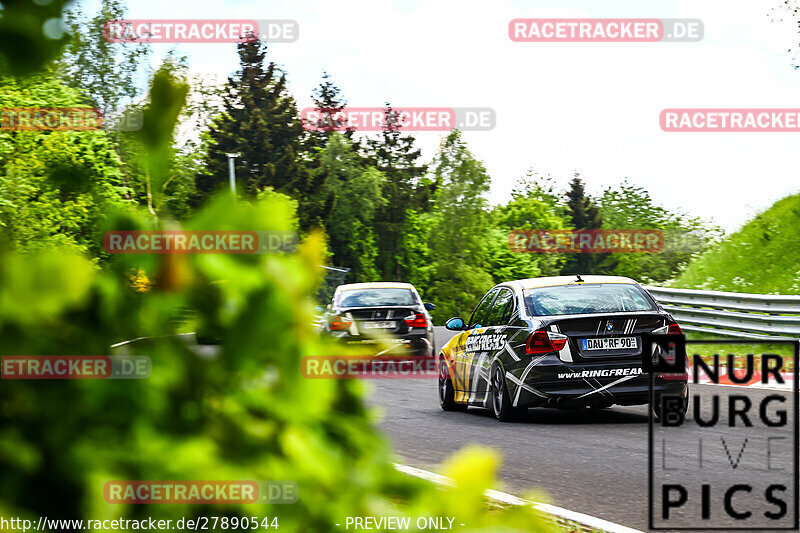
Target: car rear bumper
{"x": 410, "y": 343}
{"x": 608, "y": 383}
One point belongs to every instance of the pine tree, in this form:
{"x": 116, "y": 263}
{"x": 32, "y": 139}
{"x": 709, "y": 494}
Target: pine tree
{"x": 584, "y": 214}
{"x": 406, "y": 188}
{"x": 317, "y": 197}
{"x": 328, "y": 100}
{"x": 261, "y": 124}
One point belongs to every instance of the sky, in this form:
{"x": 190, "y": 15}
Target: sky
{"x": 562, "y": 108}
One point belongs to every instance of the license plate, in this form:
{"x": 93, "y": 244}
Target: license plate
{"x": 610, "y": 343}
{"x": 380, "y": 324}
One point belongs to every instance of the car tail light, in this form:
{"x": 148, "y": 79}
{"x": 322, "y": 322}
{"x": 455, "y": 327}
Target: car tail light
{"x": 417, "y": 321}
{"x": 670, "y": 329}
{"x": 678, "y": 376}
{"x": 542, "y": 342}
{"x": 339, "y": 322}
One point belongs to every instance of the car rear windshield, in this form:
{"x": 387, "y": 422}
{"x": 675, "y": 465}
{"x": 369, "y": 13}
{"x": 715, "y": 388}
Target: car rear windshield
{"x": 586, "y": 298}
{"x": 376, "y": 297}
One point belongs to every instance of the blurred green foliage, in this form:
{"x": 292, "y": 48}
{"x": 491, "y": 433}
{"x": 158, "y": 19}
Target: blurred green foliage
{"x": 31, "y": 34}
{"x": 245, "y": 412}
{"x": 54, "y": 185}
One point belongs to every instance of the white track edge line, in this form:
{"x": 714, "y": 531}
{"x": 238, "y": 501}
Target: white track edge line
{"x": 510, "y": 499}
{"x": 147, "y": 338}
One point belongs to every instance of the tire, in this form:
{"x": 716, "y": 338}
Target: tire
{"x": 446, "y": 391}
{"x": 657, "y": 404}
{"x": 501, "y": 402}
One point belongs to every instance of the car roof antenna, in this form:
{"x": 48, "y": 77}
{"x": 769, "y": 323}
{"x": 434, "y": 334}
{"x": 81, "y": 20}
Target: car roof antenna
{"x": 578, "y": 278}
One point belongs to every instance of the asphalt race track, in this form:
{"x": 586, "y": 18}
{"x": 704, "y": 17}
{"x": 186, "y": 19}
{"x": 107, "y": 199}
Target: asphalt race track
{"x": 590, "y": 461}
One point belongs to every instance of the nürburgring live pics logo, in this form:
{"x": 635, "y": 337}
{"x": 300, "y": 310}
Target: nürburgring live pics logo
{"x": 702, "y": 478}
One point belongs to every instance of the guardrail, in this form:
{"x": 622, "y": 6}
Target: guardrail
{"x": 732, "y": 314}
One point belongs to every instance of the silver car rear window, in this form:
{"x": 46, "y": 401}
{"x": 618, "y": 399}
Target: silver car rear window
{"x": 376, "y": 297}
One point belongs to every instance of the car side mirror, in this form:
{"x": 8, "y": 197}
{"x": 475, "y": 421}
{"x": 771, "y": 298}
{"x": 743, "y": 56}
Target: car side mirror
{"x": 429, "y": 306}
{"x": 456, "y": 324}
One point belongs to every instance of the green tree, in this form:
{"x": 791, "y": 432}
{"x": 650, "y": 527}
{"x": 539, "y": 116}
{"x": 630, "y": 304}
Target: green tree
{"x": 55, "y": 186}
{"x": 109, "y": 77}
{"x": 407, "y": 188}
{"x": 534, "y": 204}
{"x": 628, "y": 206}
{"x": 108, "y": 73}
{"x": 318, "y": 197}
{"x": 460, "y": 222}
{"x": 356, "y": 197}
{"x": 260, "y": 123}
{"x": 328, "y": 100}
{"x": 415, "y": 241}
{"x": 584, "y": 214}
{"x": 582, "y": 211}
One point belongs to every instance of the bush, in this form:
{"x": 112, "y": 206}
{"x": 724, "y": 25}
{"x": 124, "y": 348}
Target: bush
{"x": 245, "y": 414}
